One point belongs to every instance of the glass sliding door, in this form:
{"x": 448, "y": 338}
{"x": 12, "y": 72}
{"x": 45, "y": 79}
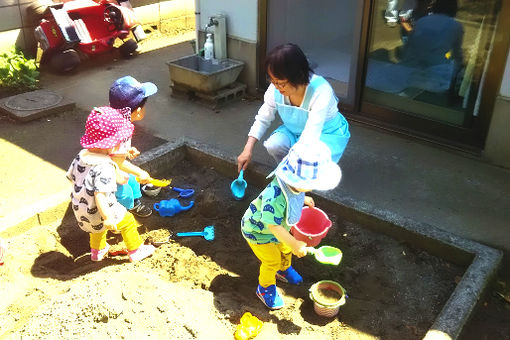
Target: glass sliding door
{"x": 328, "y": 31}
{"x": 426, "y": 62}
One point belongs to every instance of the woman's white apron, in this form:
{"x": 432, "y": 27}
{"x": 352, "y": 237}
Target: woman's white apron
{"x": 335, "y": 132}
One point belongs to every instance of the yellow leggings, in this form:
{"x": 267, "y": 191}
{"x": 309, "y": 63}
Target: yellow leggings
{"x": 128, "y": 229}
{"x": 273, "y": 257}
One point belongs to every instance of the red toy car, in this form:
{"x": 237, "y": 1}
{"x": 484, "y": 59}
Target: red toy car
{"x": 86, "y": 28}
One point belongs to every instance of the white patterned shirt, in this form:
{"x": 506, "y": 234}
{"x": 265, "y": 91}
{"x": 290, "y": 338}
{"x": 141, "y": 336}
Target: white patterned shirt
{"x": 90, "y": 173}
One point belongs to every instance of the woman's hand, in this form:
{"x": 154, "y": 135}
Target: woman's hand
{"x": 243, "y": 160}
{"x": 299, "y": 248}
{"x": 309, "y": 202}
{"x": 245, "y": 157}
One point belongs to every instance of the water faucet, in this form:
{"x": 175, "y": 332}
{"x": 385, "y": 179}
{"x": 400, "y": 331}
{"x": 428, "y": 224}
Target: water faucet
{"x": 212, "y": 22}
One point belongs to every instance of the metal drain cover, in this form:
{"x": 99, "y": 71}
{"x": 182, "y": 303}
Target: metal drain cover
{"x": 32, "y": 105}
{"x": 35, "y": 100}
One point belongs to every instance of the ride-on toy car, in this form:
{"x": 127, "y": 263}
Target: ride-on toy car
{"x": 80, "y": 28}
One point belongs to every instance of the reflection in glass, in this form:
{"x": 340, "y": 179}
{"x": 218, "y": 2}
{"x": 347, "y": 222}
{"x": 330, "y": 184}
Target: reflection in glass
{"x": 432, "y": 61}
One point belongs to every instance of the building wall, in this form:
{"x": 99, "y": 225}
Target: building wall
{"x": 505, "y": 85}
{"x": 241, "y": 17}
{"x": 15, "y": 26}
{"x": 174, "y": 16}
{"x": 497, "y": 146}
{"x": 242, "y": 33}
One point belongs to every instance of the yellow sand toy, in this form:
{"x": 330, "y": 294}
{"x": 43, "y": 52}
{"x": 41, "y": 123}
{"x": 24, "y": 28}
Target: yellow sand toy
{"x": 248, "y": 327}
{"x": 157, "y": 182}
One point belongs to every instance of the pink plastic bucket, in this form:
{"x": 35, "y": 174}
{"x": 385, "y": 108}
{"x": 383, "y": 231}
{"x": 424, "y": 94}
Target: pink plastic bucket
{"x": 312, "y": 227}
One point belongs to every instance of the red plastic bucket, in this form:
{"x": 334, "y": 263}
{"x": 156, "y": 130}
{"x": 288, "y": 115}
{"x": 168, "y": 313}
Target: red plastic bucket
{"x": 312, "y": 227}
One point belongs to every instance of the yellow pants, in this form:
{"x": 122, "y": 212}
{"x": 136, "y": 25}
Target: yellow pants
{"x": 273, "y": 257}
{"x": 128, "y": 228}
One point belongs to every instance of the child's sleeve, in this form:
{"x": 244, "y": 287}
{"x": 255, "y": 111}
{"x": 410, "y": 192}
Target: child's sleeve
{"x": 70, "y": 171}
{"x": 265, "y": 115}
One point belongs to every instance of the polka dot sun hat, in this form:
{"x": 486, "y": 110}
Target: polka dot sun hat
{"x": 105, "y": 128}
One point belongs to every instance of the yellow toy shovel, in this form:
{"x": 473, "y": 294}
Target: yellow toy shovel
{"x": 326, "y": 254}
{"x": 157, "y": 182}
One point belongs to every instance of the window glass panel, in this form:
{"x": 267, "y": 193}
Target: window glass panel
{"x": 428, "y": 58}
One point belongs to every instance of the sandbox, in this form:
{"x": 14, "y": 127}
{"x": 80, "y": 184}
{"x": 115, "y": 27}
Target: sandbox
{"x": 403, "y": 279}
{"x": 471, "y": 264}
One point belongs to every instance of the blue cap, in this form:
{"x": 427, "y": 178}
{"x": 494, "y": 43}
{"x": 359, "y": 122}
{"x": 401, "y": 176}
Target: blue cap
{"x": 129, "y": 92}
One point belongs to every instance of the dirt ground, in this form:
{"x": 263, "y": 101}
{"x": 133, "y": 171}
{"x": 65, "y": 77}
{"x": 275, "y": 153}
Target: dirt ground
{"x": 197, "y": 289}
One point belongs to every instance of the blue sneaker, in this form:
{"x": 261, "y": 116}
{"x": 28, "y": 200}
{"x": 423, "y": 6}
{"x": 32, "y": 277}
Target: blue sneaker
{"x": 290, "y": 275}
{"x": 270, "y": 297}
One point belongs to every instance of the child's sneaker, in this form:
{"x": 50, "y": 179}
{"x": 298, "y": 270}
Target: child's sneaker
{"x": 145, "y": 250}
{"x": 290, "y": 275}
{"x": 270, "y": 297}
{"x": 97, "y": 255}
{"x": 141, "y": 210}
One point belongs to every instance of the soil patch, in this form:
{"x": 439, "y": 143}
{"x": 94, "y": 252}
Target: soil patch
{"x": 197, "y": 289}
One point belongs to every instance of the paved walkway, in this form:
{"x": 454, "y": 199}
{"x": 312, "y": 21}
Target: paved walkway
{"x": 425, "y": 182}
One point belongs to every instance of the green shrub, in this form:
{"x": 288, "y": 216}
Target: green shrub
{"x": 17, "y": 72}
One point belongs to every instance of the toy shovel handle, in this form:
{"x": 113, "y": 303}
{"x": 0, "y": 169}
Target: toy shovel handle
{"x": 156, "y": 206}
{"x": 159, "y": 182}
{"x": 310, "y": 250}
{"x": 191, "y": 233}
{"x": 241, "y": 174}
{"x": 184, "y": 193}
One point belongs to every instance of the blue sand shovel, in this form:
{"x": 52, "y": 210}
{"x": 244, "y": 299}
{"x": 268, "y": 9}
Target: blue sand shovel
{"x": 238, "y": 186}
{"x": 184, "y": 193}
{"x": 208, "y": 233}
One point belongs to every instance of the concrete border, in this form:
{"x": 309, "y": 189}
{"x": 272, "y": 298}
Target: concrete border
{"x": 482, "y": 262}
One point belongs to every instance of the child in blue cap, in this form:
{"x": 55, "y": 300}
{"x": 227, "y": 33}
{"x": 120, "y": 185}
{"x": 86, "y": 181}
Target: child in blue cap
{"x": 129, "y": 96}
{"x": 269, "y": 218}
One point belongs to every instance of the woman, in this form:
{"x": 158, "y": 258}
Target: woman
{"x": 306, "y": 104}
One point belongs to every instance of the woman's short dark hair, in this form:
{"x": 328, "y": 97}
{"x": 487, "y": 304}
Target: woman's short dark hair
{"x": 288, "y": 62}
{"x": 447, "y": 7}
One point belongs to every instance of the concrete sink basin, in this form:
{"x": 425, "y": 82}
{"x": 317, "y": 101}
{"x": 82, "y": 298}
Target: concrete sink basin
{"x": 196, "y": 73}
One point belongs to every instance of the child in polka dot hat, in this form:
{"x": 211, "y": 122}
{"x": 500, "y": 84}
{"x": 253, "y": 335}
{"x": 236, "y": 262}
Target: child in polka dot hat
{"x": 94, "y": 177}
{"x": 267, "y": 222}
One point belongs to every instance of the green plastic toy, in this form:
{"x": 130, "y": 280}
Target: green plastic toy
{"x": 326, "y": 254}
